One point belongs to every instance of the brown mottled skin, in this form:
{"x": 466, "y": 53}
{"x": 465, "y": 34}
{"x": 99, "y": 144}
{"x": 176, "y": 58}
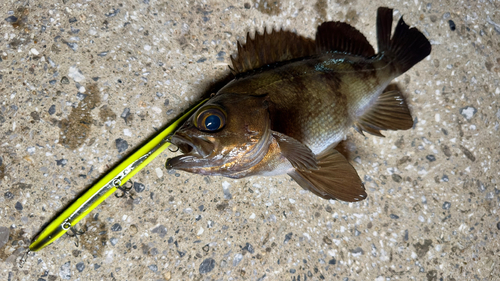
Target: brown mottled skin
{"x": 316, "y": 100}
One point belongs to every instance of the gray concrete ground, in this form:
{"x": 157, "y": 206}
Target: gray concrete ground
{"x": 83, "y": 83}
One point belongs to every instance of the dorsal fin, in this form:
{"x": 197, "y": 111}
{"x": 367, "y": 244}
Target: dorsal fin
{"x": 269, "y": 48}
{"x": 343, "y": 38}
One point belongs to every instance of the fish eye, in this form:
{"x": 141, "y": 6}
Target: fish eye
{"x": 210, "y": 119}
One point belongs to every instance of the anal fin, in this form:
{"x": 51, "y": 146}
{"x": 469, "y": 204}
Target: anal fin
{"x": 335, "y": 178}
{"x": 389, "y": 112}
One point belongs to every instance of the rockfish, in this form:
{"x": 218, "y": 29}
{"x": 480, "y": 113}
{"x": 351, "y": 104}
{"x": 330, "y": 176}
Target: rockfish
{"x": 293, "y": 99}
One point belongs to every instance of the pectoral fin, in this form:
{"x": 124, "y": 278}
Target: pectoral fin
{"x": 390, "y": 112}
{"x": 299, "y": 155}
{"x": 335, "y": 178}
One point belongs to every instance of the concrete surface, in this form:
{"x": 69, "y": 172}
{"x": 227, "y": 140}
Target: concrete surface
{"x": 83, "y": 83}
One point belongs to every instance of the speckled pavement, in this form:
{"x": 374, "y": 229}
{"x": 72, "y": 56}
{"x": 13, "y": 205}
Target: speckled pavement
{"x": 84, "y": 83}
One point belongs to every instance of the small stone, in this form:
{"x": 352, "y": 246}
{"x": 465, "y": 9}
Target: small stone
{"x": 116, "y": 227}
{"x": 161, "y": 230}
{"x": 19, "y": 206}
{"x": 35, "y": 115}
{"x": 72, "y": 20}
{"x": 62, "y": 162}
{"x": 293, "y": 270}
{"x": 121, "y": 145}
{"x": 207, "y": 265}
{"x": 4, "y": 235}
{"x": 52, "y": 109}
{"x": 237, "y": 259}
{"x": 113, "y": 13}
{"x": 201, "y": 208}
{"x": 64, "y": 80}
{"x": 446, "y": 205}
{"x": 498, "y": 226}
{"x": 139, "y": 187}
{"x": 248, "y": 247}
{"x": 113, "y": 241}
{"x": 446, "y": 15}
{"x": 357, "y": 250}
{"x": 73, "y": 46}
{"x": 102, "y": 54}
{"x": 75, "y": 74}
{"x": 96, "y": 266}
{"x": 65, "y": 271}
{"x": 396, "y": 178}
{"x": 206, "y": 248}
{"x": 430, "y": 157}
{"x": 452, "y": 25}
{"x": 153, "y": 267}
{"x": 288, "y": 237}
{"x": 221, "y": 55}
{"x": 201, "y": 60}
{"x": 81, "y": 96}
{"x": 394, "y": 217}
{"x": 80, "y": 266}
{"x": 247, "y": 5}
{"x": 11, "y": 19}
{"x": 125, "y": 114}
{"x": 332, "y": 261}
{"x": 8, "y": 195}
{"x": 467, "y": 153}
{"x": 468, "y": 112}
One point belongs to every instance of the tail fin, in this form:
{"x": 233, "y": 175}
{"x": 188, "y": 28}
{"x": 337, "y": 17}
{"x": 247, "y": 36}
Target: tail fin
{"x": 408, "y": 45}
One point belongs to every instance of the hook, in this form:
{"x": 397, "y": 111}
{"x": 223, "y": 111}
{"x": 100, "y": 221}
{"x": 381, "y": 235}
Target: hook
{"x": 23, "y": 259}
{"x": 173, "y": 150}
{"x": 124, "y": 189}
{"x": 75, "y": 233}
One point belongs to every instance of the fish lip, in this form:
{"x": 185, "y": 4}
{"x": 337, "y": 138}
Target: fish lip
{"x": 182, "y": 162}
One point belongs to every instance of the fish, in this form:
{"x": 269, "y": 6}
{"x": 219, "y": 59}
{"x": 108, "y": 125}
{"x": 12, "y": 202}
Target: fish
{"x": 294, "y": 99}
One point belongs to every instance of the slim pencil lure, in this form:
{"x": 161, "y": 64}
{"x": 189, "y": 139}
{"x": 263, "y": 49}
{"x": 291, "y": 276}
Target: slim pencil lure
{"x": 107, "y": 185}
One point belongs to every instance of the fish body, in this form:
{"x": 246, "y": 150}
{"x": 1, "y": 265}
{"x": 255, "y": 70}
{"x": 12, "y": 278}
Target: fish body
{"x": 317, "y": 100}
{"x": 294, "y": 99}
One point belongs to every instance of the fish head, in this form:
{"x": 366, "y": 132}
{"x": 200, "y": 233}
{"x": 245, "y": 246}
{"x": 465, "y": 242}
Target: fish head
{"x": 227, "y": 135}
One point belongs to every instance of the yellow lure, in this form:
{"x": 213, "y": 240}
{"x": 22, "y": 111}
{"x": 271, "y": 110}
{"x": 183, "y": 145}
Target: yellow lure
{"x": 107, "y": 185}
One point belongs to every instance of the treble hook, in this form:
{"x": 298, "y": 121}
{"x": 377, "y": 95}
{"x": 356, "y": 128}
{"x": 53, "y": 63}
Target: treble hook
{"x": 75, "y": 233}
{"x": 23, "y": 259}
{"x": 123, "y": 189}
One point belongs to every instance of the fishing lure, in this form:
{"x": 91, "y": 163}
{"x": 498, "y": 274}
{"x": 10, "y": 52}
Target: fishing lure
{"x": 112, "y": 181}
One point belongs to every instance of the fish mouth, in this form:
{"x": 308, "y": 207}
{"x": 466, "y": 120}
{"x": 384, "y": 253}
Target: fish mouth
{"x": 196, "y": 152}
{"x": 183, "y": 142}
{"x": 189, "y": 145}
